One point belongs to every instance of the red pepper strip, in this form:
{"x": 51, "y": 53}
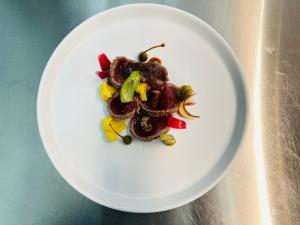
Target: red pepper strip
{"x": 176, "y": 123}
{"x": 102, "y": 74}
{"x": 104, "y": 62}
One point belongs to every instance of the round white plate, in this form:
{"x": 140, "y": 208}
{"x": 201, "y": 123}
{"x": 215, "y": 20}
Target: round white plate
{"x": 142, "y": 177}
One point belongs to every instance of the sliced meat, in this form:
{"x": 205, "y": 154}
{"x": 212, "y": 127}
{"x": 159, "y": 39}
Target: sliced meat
{"x": 163, "y": 102}
{"x": 120, "y": 69}
{"x": 152, "y": 72}
{"x": 154, "y": 99}
{"x": 154, "y": 83}
{"x": 119, "y": 110}
{"x": 147, "y": 128}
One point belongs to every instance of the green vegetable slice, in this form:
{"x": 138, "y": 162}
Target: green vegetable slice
{"x": 129, "y": 86}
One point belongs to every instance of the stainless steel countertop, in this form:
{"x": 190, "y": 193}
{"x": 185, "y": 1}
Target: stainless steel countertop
{"x": 262, "y": 186}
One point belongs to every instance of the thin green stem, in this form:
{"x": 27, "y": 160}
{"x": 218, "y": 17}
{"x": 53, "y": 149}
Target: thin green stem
{"x": 116, "y": 131}
{"x": 156, "y": 46}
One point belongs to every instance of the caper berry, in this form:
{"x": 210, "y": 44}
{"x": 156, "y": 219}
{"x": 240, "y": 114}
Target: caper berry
{"x": 127, "y": 140}
{"x": 143, "y": 56}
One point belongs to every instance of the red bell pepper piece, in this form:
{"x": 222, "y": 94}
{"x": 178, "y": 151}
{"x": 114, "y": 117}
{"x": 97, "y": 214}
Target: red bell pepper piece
{"x": 104, "y": 62}
{"x": 102, "y": 74}
{"x": 176, "y": 123}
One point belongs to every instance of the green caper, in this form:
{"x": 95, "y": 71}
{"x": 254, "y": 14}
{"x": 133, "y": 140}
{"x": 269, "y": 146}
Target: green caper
{"x": 167, "y": 139}
{"x": 143, "y": 56}
{"x": 127, "y": 139}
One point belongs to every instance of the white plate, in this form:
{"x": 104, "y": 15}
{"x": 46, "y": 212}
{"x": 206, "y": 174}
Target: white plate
{"x": 142, "y": 177}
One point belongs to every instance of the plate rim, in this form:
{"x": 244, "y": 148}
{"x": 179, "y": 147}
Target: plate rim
{"x": 138, "y": 209}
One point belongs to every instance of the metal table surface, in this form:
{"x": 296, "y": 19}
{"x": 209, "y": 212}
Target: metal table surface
{"x": 263, "y": 185}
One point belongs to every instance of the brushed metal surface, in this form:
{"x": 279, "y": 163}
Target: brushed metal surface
{"x": 262, "y": 186}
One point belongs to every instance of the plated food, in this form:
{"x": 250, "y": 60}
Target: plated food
{"x": 141, "y": 91}
{"x": 144, "y": 176}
